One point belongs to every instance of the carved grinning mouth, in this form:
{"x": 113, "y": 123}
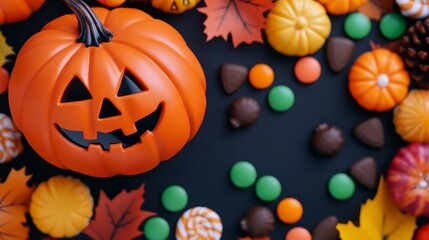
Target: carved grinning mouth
{"x": 147, "y": 123}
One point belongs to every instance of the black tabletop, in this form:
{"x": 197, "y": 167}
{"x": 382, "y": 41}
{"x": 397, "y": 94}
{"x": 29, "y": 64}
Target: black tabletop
{"x": 277, "y": 144}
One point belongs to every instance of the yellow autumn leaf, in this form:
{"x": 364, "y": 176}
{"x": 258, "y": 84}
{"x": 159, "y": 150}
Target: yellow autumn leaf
{"x": 5, "y": 50}
{"x": 379, "y": 219}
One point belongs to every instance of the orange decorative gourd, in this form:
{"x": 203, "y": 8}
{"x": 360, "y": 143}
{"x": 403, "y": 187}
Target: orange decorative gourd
{"x": 411, "y": 117}
{"x": 107, "y": 104}
{"x": 408, "y": 179}
{"x": 378, "y": 80}
{"x": 17, "y": 10}
{"x": 339, "y": 7}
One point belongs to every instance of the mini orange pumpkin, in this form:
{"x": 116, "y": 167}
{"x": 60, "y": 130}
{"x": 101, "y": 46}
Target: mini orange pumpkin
{"x": 339, "y": 7}
{"x": 104, "y": 105}
{"x": 111, "y": 3}
{"x": 378, "y": 80}
{"x": 408, "y": 179}
{"x": 17, "y": 10}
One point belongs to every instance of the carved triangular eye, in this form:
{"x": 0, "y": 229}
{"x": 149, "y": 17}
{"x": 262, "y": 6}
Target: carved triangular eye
{"x": 174, "y": 6}
{"x": 75, "y": 91}
{"x": 129, "y": 85}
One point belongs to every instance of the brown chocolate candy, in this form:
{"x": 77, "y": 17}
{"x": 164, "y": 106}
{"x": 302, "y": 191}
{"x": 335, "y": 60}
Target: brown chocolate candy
{"x": 326, "y": 229}
{"x": 370, "y": 132}
{"x": 339, "y": 51}
{"x": 327, "y": 140}
{"x": 232, "y": 76}
{"x": 364, "y": 171}
{"x": 244, "y": 111}
{"x": 258, "y": 222}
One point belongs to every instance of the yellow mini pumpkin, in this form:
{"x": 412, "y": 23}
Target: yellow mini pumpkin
{"x": 339, "y": 7}
{"x": 411, "y": 117}
{"x": 297, "y": 28}
{"x": 174, "y": 6}
{"x": 61, "y": 207}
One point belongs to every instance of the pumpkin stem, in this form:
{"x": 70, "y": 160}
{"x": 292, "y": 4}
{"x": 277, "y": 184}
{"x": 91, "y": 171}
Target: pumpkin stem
{"x": 92, "y": 31}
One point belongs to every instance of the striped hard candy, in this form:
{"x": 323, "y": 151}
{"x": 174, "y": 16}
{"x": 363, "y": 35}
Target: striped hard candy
{"x": 414, "y": 8}
{"x": 10, "y": 139}
{"x": 199, "y": 223}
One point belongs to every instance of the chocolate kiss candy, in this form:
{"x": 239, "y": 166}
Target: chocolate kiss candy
{"x": 244, "y": 111}
{"x": 364, "y": 171}
{"x": 370, "y": 132}
{"x": 233, "y": 76}
{"x": 339, "y": 51}
{"x": 258, "y": 222}
{"x": 326, "y": 229}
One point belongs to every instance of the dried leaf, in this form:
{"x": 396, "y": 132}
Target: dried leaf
{"x": 120, "y": 217}
{"x": 374, "y": 9}
{"x": 243, "y": 19}
{"x": 379, "y": 220}
{"x": 392, "y": 46}
{"x": 14, "y": 201}
{"x": 5, "y": 50}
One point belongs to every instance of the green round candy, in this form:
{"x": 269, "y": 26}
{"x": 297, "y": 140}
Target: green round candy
{"x": 281, "y": 98}
{"x": 174, "y": 198}
{"x": 268, "y": 188}
{"x": 341, "y": 186}
{"x": 393, "y": 25}
{"x": 357, "y": 25}
{"x": 243, "y": 174}
{"x": 156, "y": 228}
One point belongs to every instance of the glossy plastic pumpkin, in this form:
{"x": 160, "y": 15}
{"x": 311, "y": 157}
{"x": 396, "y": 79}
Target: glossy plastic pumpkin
{"x": 411, "y": 117}
{"x": 378, "y": 80}
{"x": 105, "y": 105}
{"x": 339, "y": 7}
{"x": 61, "y": 207}
{"x": 111, "y": 3}
{"x": 297, "y": 28}
{"x": 408, "y": 179}
{"x": 17, "y": 10}
{"x": 174, "y": 6}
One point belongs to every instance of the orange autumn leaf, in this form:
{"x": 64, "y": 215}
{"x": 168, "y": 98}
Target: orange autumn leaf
{"x": 243, "y": 19}
{"x": 14, "y": 200}
{"x": 374, "y": 9}
{"x": 118, "y": 218}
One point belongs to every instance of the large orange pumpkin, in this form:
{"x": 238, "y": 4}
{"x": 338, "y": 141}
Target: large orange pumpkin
{"x": 378, "y": 80}
{"x": 339, "y": 7}
{"x": 107, "y": 104}
{"x": 408, "y": 179}
{"x": 17, "y": 10}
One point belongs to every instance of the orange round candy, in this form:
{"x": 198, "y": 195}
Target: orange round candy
{"x": 298, "y": 233}
{"x": 308, "y": 70}
{"x": 261, "y": 76}
{"x": 289, "y": 210}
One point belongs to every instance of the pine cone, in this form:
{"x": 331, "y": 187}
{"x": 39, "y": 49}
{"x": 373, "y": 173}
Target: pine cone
{"x": 414, "y": 49}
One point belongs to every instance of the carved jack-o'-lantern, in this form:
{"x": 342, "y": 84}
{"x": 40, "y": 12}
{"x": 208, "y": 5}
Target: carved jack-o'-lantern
{"x": 174, "y": 6}
{"x": 107, "y": 104}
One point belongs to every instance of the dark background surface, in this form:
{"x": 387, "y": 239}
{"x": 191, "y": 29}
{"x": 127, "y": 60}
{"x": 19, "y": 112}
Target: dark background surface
{"x": 277, "y": 144}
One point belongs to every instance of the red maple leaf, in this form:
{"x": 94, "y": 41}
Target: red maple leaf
{"x": 119, "y": 218}
{"x": 243, "y": 19}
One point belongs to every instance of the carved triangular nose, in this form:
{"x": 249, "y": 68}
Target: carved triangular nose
{"x": 108, "y": 110}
